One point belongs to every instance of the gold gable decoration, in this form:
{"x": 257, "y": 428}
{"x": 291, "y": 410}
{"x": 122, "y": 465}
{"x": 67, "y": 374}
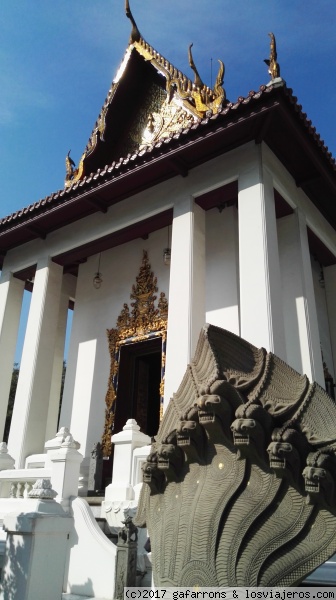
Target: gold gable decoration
{"x": 142, "y": 322}
{"x": 184, "y": 103}
{"x": 197, "y": 100}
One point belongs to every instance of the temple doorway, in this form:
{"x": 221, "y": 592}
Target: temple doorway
{"x": 138, "y": 391}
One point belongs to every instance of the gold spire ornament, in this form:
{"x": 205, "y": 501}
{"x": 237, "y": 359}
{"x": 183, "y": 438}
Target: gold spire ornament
{"x": 135, "y": 33}
{"x": 197, "y": 81}
{"x": 69, "y": 167}
{"x": 71, "y": 173}
{"x": 273, "y": 66}
{"x": 202, "y": 100}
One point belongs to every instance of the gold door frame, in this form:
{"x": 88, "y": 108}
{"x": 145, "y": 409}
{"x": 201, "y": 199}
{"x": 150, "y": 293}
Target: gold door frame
{"x": 144, "y": 321}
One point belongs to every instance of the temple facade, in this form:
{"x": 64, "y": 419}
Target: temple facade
{"x": 184, "y": 209}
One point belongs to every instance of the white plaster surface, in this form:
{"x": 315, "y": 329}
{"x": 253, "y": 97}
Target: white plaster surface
{"x": 28, "y": 428}
{"x": 84, "y": 576}
{"x": 11, "y": 294}
{"x": 222, "y": 269}
{"x": 186, "y": 292}
{"x": 261, "y": 312}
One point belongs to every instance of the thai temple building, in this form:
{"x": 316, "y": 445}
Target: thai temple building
{"x": 184, "y": 209}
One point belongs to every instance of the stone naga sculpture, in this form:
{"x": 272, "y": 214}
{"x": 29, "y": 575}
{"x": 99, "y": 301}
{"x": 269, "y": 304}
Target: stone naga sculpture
{"x": 240, "y": 482}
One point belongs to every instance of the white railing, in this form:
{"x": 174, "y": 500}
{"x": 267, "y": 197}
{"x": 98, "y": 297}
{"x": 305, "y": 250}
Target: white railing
{"x": 17, "y": 483}
{"x": 60, "y": 465}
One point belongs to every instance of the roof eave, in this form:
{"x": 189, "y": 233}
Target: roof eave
{"x": 248, "y": 119}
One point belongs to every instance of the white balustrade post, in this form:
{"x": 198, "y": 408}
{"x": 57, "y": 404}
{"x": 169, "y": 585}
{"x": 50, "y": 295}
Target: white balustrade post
{"x": 36, "y": 547}
{"x": 65, "y": 465}
{"x": 56, "y": 442}
{"x": 6, "y": 460}
{"x": 125, "y": 443}
{"x": 28, "y": 429}
{"x": 11, "y": 294}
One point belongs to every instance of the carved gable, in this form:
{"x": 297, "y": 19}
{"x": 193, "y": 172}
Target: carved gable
{"x": 148, "y": 102}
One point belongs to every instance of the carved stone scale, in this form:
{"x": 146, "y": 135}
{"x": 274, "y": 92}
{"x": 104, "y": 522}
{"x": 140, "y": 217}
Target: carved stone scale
{"x": 240, "y": 482}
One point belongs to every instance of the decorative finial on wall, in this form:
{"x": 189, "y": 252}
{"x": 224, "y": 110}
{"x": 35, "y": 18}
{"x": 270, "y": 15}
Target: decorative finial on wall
{"x": 70, "y": 167}
{"x": 273, "y": 66}
{"x": 197, "y": 81}
{"x": 135, "y": 33}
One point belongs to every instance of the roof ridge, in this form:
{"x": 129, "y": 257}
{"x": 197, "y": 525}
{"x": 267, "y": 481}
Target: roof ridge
{"x": 164, "y": 62}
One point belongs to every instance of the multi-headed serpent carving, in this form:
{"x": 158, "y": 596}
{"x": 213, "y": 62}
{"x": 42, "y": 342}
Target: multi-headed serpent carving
{"x": 240, "y": 484}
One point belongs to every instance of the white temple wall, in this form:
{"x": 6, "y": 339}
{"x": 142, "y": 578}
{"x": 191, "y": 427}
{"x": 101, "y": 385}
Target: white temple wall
{"x": 330, "y": 290}
{"x": 95, "y": 312}
{"x": 222, "y": 269}
{"x": 301, "y": 322}
{"x": 296, "y": 198}
{"x": 291, "y": 275}
{"x": 322, "y": 316}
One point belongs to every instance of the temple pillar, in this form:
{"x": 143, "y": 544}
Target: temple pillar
{"x": 67, "y": 291}
{"x": 301, "y": 325}
{"x": 11, "y": 294}
{"x": 28, "y": 429}
{"x": 261, "y": 314}
{"x": 186, "y": 314}
{"x": 330, "y": 289}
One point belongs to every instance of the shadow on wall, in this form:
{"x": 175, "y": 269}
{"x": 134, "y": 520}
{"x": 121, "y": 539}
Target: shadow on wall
{"x": 13, "y": 584}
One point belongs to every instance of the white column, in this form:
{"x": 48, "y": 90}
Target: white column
{"x": 11, "y": 294}
{"x": 222, "y": 269}
{"x": 261, "y": 313}
{"x": 27, "y": 435}
{"x": 301, "y": 325}
{"x": 186, "y": 314}
{"x": 68, "y": 286}
{"x": 330, "y": 289}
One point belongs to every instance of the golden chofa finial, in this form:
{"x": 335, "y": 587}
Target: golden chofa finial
{"x": 135, "y": 33}
{"x": 197, "y": 81}
{"x": 70, "y": 167}
{"x": 273, "y": 66}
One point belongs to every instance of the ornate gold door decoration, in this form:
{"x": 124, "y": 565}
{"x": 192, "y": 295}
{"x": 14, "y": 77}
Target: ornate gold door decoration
{"x": 143, "y": 321}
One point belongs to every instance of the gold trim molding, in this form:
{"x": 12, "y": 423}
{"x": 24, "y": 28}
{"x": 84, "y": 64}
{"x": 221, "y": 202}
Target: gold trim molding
{"x": 143, "y": 321}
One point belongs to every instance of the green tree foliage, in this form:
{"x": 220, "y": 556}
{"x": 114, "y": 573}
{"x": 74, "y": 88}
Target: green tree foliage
{"x": 15, "y": 377}
{"x": 61, "y": 393}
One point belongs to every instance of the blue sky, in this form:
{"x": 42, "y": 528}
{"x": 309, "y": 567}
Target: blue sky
{"x": 58, "y": 60}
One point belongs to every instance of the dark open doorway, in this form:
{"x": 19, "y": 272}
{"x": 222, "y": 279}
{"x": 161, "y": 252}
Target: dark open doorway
{"x": 138, "y": 393}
